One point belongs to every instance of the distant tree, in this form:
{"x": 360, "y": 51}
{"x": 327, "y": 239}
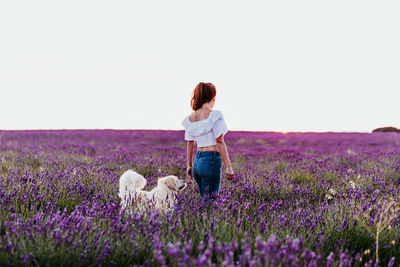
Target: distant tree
{"x": 386, "y": 129}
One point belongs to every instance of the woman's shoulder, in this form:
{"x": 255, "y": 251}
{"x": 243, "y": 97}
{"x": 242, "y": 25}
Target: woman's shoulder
{"x": 216, "y": 114}
{"x": 199, "y": 116}
{"x": 185, "y": 122}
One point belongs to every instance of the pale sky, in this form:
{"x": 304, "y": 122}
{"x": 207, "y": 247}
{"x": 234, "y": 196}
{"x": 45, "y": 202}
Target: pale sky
{"x": 277, "y": 65}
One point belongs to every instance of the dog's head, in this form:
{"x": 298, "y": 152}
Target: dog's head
{"x": 173, "y": 183}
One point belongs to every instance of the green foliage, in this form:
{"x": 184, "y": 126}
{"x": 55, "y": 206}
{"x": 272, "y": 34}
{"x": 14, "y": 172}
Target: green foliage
{"x": 302, "y": 177}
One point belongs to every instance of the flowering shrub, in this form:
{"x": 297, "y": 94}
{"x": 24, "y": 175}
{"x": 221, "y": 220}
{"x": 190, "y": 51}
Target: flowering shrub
{"x": 298, "y": 199}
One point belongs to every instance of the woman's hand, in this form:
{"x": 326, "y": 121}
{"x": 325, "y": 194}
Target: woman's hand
{"x": 229, "y": 173}
{"x": 189, "y": 173}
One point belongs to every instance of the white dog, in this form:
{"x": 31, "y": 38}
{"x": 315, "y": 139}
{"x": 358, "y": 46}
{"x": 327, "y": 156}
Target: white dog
{"x": 161, "y": 197}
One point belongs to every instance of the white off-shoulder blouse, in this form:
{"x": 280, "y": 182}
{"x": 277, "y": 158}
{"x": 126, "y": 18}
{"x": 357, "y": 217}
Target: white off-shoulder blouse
{"x": 204, "y": 132}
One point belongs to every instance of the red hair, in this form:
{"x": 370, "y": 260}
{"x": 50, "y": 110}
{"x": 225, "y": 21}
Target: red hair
{"x": 203, "y": 93}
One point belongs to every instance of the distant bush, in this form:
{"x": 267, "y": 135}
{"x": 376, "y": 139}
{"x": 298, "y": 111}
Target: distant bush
{"x": 386, "y": 129}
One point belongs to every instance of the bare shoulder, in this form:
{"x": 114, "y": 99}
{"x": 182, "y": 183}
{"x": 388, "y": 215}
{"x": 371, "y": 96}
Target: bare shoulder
{"x": 192, "y": 116}
{"x": 199, "y": 115}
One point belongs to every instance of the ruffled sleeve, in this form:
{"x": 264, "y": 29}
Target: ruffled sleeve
{"x": 219, "y": 126}
{"x": 188, "y": 137}
{"x": 185, "y": 124}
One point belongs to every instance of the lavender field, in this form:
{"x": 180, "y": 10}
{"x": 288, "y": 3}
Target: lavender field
{"x": 298, "y": 199}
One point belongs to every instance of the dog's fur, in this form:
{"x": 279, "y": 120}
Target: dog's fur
{"x": 161, "y": 197}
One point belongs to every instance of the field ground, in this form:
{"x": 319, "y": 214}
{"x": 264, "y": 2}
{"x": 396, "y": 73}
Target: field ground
{"x": 298, "y": 199}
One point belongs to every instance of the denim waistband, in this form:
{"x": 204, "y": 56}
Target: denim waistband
{"x": 207, "y": 153}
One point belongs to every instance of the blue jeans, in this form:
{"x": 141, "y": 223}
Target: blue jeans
{"x": 207, "y": 172}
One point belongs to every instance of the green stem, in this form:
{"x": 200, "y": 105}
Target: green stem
{"x": 377, "y": 243}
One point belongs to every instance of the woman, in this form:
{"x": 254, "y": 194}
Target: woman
{"x": 206, "y": 127}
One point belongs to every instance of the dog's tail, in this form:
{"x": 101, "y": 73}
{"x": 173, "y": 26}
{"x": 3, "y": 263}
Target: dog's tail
{"x": 129, "y": 183}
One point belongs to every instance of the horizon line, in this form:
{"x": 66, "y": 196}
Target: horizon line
{"x": 157, "y": 129}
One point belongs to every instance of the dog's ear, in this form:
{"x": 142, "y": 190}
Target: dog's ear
{"x": 170, "y": 182}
